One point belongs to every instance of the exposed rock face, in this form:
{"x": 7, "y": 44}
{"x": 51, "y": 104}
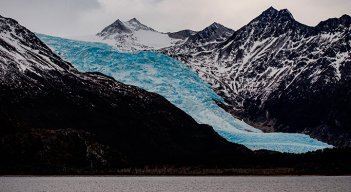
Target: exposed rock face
{"x": 119, "y": 27}
{"x": 116, "y": 27}
{"x": 183, "y": 34}
{"x": 281, "y": 75}
{"x": 199, "y": 43}
{"x": 54, "y": 117}
{"x": 211, "y": 34}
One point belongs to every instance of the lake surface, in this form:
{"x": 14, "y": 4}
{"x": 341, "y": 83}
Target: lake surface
{"x": 178, "y": 184}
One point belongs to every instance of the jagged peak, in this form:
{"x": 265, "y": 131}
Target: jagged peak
{"x": 334, "y": 23}
{"x": 136, "y": 25}
{"x": 270, "y": 11}
{"x": 345, "y": 17}
{"x": 273, "y": 15}
{"x": 6, "y": 19}
{"x": 215, "y": 26}
{"x": 135, "y": 20}
{"x": 213, "y": 32}
{"x": 120, "y": 27}
{"x": 116, "y": 27}
{"x": 286, "y": 12}
{"x": 117, "y": 22}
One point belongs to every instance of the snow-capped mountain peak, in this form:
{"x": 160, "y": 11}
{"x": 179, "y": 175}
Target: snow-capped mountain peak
{"x": 117, "y": 27}
{"x": 135, "y": 25}
{"x": 132, "y": 35}
{"x": 120, "y": 27}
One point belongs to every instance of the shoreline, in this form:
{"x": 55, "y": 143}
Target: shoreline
{"x": 175, "y": 173}
{"x": 175, "y": 176}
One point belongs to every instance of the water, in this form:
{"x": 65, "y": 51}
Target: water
{"x": 177, "y": 184}
{"x": 181, "y": 86}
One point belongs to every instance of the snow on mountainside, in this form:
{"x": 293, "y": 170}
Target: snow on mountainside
{"x": 55, "y": 117}
{"x": 134, "y": 36}
{"x": 281, "y": 75}
{"x": 21, "y": 55}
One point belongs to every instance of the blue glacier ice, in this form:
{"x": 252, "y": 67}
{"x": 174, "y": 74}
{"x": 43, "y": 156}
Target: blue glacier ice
{"x": 181, "y": 86}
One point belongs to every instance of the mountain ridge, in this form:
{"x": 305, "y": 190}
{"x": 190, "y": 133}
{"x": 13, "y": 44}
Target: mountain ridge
{"x": 272, "y": 57}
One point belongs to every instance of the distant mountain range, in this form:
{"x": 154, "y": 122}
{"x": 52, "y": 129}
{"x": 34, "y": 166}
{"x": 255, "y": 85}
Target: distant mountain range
{"x": 132, "y": 36}
{"x": 274, "y": 73}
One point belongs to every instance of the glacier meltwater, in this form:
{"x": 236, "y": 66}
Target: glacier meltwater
{"x": 172, "y": 79}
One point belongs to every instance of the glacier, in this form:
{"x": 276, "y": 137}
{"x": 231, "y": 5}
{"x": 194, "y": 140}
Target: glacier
{"x": 180, "y": 85}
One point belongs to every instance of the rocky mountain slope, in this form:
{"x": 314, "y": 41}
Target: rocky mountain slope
{"x": 54, "y": 117}
{"x": 211, "y": 34}
{"x": 183, "y": 34}
{"x": 281, "y": 75}
{"x": 200, "y": 42}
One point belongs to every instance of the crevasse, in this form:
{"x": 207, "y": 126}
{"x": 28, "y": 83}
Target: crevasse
{"x": 181, "y": 86}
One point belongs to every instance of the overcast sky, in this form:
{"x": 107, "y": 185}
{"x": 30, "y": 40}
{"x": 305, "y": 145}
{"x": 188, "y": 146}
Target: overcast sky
{"x": 85, "y": 17}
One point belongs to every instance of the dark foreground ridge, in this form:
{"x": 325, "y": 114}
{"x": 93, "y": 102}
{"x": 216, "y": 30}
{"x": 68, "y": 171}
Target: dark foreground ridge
{"x": 56, "y": 120}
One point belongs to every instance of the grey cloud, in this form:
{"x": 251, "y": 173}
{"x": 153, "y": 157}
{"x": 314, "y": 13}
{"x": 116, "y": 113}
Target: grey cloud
{"x": 48, "y": 16}
{"x": 82, "y": 17}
